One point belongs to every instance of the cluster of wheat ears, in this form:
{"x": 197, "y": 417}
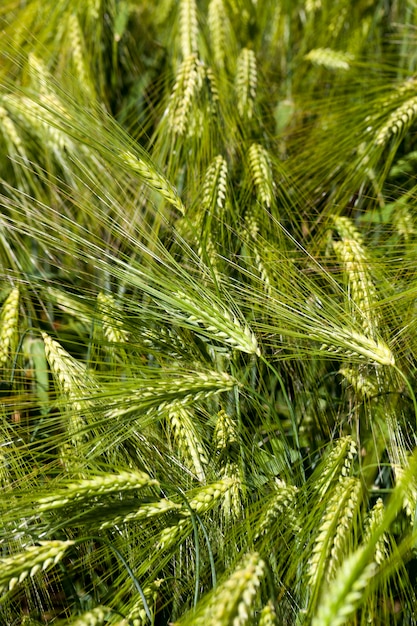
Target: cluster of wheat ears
{"x": 208, "y": 278}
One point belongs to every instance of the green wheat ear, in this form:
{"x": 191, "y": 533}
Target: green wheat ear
{"x": 8, "y": 327}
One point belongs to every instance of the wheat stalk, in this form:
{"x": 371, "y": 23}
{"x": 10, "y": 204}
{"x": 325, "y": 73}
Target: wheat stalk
{"x": 9, "y": 318}
{"x": 14, "y": 569}
{"x": 246, "y": 83}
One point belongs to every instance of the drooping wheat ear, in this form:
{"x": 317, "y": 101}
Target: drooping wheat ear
{"x": 207, "y": 497}
{"x": 111, "y": 320}
{"x": 84, "y": 490}
{"x": 153, "y": 179}
{"x": 14, "y": 569}
{"x": 9, "y": 318}
{"x": 261, "y": 171}
{"x": 330, "y": 59}
{"x": 268, "y": 615}
{"x": 283, "y": 502}
{"x": 96, "y": 617}
{"x": 188, "y": 28}
{"x": 334, "y": 533}
{"x": 345, "y": 593}
{"x": 351, "y": 344}
{"x": 409, "y": 491}
{"x": 233, "y": 601}
{"x": 215, "y": 185}
{"x": 246, "y": 83}
{"x": 188, "y": 440}
{"x": 137, "y": 616}
{"x": 145, "y": 511}
{"x": 219, "y": 324}
{"x": 218, "y": 28}
{"x": 78, "y": 49}
{"x": 398, "y": 121}
{"x": 373, "y": 521}
{"x": 352, "y": 255}
{"x": 11, "y": 136}
{"x": 363, "y": 384}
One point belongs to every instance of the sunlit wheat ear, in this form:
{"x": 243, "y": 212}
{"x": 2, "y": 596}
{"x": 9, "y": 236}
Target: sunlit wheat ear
{"x": 225, "y": 432}
{"x": 245, "y": 83}
{"x": 349, "y": 343}
{"x": 219, "y": 324}
{"x": 268, "y": 615}
{"x": 233, "y": 601}
{"x": 219, "y": 29}
{"x": 14, "y": 569}
{"x": 84, "y": 490}
{"x": 255, "y": 245}
{"x": 96, "y": 617}
{"x": 145, "y": 511}
{"x": 346, "y": 592}
{"x": 9, "y": 318}
{"x": 282, "y": 503}
{"x": 330, "y": 59}
{"x": 398, "y": 121}
{"x": 187, "y": 85}
{"x": 373, "y": 521}
{"x": 188, "y": 27}
{"x": 188, "y": 441}
{"x": 261, "y": 172}
{"x": 335, "y": 533}
{"x": 153, "y": 179}
{"x": 79, "y": 57}
{"x": 110, "y": 317}
{"x": 352, "y": 255}
{"x": 363, "y": 385}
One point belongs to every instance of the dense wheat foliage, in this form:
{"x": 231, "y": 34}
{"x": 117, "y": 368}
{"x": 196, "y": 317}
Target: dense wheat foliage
{"x": 208, "y": 323}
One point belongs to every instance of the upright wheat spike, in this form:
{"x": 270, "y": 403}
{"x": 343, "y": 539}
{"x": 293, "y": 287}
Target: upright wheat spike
{"x": 233, "y": 601}
{"x": 11, "y": 135}
{"x": 188, "y": 440}
{"x": 215, "y": 185}
{"x": 268, "y": 615}
{"x": 337, "y": 464}
{"x": 225, "y": 436}
{"x": 218, "y": 27}
{"x": 351, "y": 253}
{"x": 9, "y": 318}
{"x": 78, "y": 48}
{"x": 373, "y": 520}
{"x": 14, "y": 569}
{"x": 282, "y": 503}
{"x": 246, "y": 83}
{"x": 188, "y": 27}
{"x": 261, "y": 171}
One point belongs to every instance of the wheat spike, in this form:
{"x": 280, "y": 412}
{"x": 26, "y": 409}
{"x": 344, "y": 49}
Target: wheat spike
{"x": 261, "y": 171}
{"x": 145, "y": 511}
{"x": 215, "y": 185}
{"x": 233, "y": 600}
{"x": 9, "y": 318}
{"x": 225, "y": 432}
{"x": 268, "y": 615}
{"x": 345, "y": 593}
{"x": 220, "y": 324}
{"x": 282, "y": 502}
{"x": 98, "y": 486}
{"x": 155, "y": 180}
{"x": 96, "y": 617}
{"x": 218, "y": 27}
{"x": 224, "y": 437}
{"x": 351, "y": 253}
{"x": 14, "y": 569}
{"x": 409, "y": 491}
{"x": 246, "y": 83}
{"x": 398, "y": 121}
{"x": 337, "y": 464}
{"x": 330, "y": 59}
{"x": 334, "y": 531}
{"x": 76, "y": 39}
{"x": 188, "y": 27}
{"x": 185, "y": 89}
{"x": 188, "y": 440}
{"x": 11, "y": 135}
{"x": 350, "y": 343}
{"x": 137, "y": 616}
{"x": 374, "y": 519}
{"x": 362, "y": 384}
{"x": 71, "y": 375}
{"x": 111, "y": 320}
